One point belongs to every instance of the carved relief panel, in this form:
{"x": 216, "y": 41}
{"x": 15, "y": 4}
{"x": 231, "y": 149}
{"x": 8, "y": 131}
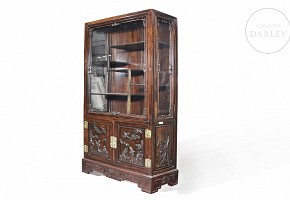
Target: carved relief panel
{"x": 131, "y": 145}
{"x": 99, "y": 140}
{"x": 163, "y": 150}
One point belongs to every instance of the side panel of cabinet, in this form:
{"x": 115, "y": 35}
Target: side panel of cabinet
{"x": 165, "y": 154}
{"x": 97, "y": 140}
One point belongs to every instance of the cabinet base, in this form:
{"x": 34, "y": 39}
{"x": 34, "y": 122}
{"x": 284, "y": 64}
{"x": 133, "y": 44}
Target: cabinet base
{"x": 149, "y": 184}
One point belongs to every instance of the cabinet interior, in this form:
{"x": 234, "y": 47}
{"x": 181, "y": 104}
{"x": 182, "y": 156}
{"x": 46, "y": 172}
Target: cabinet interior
{"x": 117, "y": 70}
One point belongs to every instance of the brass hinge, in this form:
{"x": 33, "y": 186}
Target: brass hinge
{"x": 158, "y": 66}
{"x": 86, "y": 148}
{"x": 147, "y": 133}
{"x": 148, "y": 163}
{"x": 113, "y": 142}
{"x": 86, "y": 124}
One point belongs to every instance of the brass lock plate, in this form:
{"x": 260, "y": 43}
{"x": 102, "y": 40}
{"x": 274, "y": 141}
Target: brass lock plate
{"x": 148, "y": 163}
{"x": 86, "y": 125}
{"x": 86, "y": 148}
{"x": 113, "y": 142}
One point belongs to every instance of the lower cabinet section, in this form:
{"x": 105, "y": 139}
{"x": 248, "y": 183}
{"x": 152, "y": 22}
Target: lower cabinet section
{"x": 135, "y": 152}
{"x": 119, "y": 143}
{"x": 149, "y": 184}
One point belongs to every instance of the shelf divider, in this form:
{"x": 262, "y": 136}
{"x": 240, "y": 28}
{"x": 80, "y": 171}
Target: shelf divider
{"x": 133, "y": 46}
{"x": 116, "y": 94}
{"x": 163, "y": 45}
{"x": 129, "y": 92}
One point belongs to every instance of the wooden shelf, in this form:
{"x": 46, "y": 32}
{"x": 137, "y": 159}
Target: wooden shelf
{"x": 123, "y": 69}
{"x": 98, "y": 40}
{"x": 117, "y": 94}
{"x": 138, "y": 84}
{"x": 134, "y": 46}
{"x": 98, "y": 45}
{"x": 112, "y": 63}
{"x": 162, "y": 45}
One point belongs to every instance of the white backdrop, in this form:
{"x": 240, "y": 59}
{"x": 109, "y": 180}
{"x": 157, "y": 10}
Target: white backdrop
{"x": 234, "y": 103}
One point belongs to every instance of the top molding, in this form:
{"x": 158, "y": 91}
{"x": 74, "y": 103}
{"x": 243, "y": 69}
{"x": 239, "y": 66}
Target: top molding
{"x": 134, "y": 15}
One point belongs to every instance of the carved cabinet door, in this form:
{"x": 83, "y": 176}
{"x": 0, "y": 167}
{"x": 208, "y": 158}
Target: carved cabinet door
{"x": 131, "y": 145}
{"x": 97, "y": 140}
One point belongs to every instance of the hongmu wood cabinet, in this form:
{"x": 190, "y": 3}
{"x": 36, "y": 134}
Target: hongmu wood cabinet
{"x": 130, "y": 98}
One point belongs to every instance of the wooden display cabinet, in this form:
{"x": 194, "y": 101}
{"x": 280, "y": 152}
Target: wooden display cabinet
{"x": 130, "y": 98}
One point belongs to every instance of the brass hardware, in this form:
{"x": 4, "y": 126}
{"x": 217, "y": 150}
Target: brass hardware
{"x": 113, "y": 142}
{"x": 86, "y": 125}
{"x": 147, "y": 133}
{"x": 147, "y": 163}
{"x": 86, "y": 148}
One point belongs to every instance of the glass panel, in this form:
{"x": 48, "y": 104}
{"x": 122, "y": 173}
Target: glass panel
{"x": 97, "y": 72}
{"x": 164, "y": 69}
{"x": 117, "y": 71}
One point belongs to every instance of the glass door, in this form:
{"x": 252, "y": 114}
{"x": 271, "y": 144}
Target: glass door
{"x": 116, "y": 74}
{"x": 164, "y": 68}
